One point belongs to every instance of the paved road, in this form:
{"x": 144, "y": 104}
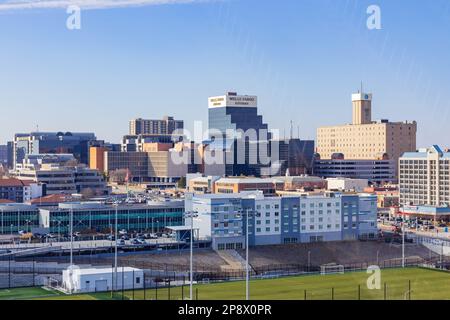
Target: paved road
{"x": 80, "y": 244}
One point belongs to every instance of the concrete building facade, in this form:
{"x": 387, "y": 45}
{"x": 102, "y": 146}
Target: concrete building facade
{"x": 364, "y": 138}
{"x": 379, "y": 171}
{"x": 279, "y": 220}
{"x": 167, "y": 125}
{"x": 424, "y": 177}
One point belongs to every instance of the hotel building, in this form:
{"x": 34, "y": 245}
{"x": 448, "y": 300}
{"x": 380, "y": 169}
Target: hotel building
{"x": 425, "y": 177}
{"x": 280, "y": 220}
{"x": 365, "y": 139}
{"x": 165, "y": 126}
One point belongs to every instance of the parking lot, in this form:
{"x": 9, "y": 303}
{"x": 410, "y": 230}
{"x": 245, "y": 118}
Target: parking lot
{"x": 421, "y": 227}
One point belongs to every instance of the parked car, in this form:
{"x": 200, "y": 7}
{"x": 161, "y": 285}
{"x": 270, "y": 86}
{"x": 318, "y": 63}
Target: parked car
{"x": 134, "y": 241}
{"x": 121, "y": 242}
{"x": 123, "y": 232}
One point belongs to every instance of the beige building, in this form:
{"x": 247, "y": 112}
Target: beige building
{"x": 364, "y": 138}
{"x": 425, "y": 177}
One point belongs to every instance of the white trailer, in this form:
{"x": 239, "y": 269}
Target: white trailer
{"x": 76, "y": 280}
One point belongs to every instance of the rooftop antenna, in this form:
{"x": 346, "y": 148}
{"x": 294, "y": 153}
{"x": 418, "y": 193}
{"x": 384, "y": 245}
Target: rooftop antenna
{"x": 37, "y": 128}
{"x": 362, "y": 87}
{"x": 298, "y": 132}
{"x": 291, "y": 130}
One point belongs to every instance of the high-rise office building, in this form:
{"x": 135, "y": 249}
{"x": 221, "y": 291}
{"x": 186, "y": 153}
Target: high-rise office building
{"x": 75, "y": 143}
{"x": 3, "y": 155}
{"x": 424, "y": 177}
{"x": 364, "y": 138}
{"x": 165, "y": 126}
{"x": 231, "y": 113}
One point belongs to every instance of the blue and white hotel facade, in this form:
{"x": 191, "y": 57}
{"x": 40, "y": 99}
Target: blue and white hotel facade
{"x": 281, "y": 220}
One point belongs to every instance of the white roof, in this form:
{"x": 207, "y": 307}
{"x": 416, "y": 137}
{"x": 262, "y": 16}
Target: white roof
{"x": 86, "y": 271}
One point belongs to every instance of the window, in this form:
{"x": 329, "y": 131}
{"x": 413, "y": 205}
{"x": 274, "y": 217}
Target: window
{"x": 258, "y": 229}
{"x": 268, "y": 229}
{"x": 138, "y": 280}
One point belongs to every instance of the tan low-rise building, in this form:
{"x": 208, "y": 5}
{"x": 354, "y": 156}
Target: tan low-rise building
{"x": 364, "y": 138}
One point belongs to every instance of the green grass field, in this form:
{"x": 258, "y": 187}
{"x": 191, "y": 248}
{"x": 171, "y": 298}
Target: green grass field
{"x": 425, "y": 285}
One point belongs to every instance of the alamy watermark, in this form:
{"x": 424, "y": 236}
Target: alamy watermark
{"x": 374, "y": 280}
{"x": 374, "y": 19}
{"x": 230, "y": 146}
{"x": 73, "y": 21}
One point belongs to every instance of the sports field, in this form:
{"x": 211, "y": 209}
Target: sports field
{"x": 395, "y": 283}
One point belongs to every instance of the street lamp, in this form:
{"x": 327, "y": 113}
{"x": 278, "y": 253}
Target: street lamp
{"x": 247, "y": 265}
{"x": 191, "y": 214}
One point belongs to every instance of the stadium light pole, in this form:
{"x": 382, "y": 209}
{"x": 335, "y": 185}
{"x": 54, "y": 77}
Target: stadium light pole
{"x": 246, "y": 259}
{"x": 116, "y": 204}
{"x": 247, "y": 265}
{"x": 71, "y": 236}
{"x": 191, "y": 214}
{"x": 403, "y": 244}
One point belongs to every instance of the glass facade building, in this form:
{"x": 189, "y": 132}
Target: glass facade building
{"x": 15, "y": 217}
{"x": 228, "y": 114}
{"x": 53, "y": 143}
{"x": 101, "y": 218}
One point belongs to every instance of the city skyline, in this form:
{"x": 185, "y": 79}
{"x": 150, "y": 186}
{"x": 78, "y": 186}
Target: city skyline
{"x": 151, "y": 63}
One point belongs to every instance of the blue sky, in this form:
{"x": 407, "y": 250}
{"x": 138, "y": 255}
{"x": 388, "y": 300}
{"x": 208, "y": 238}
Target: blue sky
{"x": 303, "y": 58}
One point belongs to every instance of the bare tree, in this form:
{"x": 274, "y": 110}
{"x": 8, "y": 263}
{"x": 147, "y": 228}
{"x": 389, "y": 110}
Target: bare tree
{"x": 71, "y": 163}
{"x": 118, "y": 176}
{"x": 3, "y": 172}
{"x": 88, "y": 193}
